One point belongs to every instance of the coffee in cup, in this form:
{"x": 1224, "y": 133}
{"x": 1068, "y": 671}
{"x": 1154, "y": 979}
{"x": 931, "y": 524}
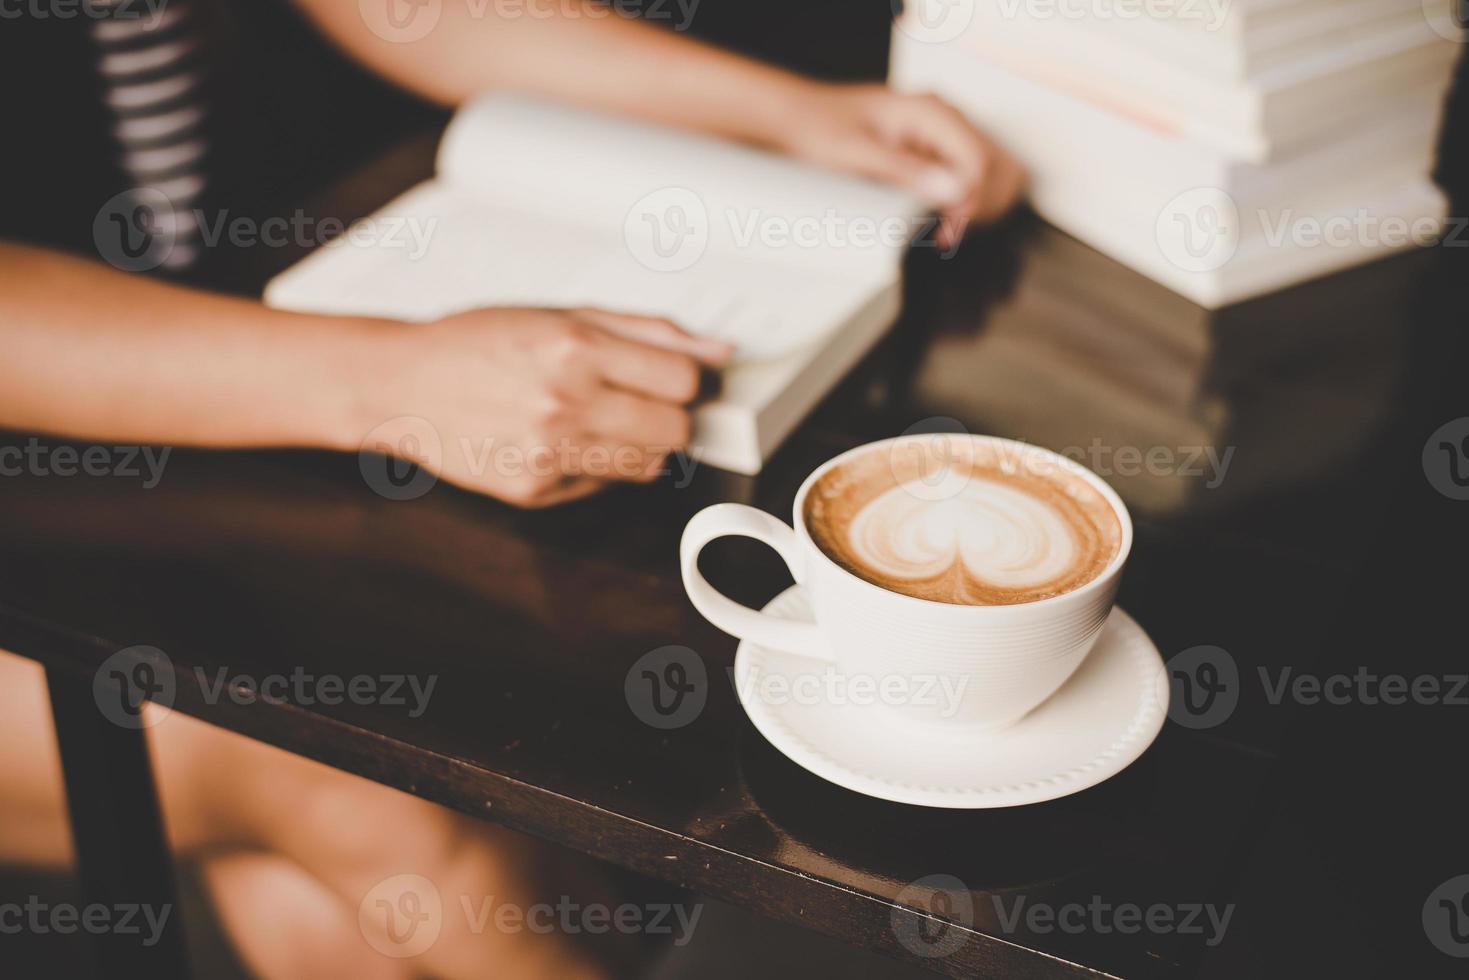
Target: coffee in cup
{"x": 962, "y": 521}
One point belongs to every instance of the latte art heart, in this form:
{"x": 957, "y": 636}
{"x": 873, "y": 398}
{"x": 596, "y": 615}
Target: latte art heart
{"x": 989, "y": 533}
{"x": 966, "y": 525}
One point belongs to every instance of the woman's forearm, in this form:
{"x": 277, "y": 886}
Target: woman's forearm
{"x": 587, "y": 53}
{"x": 529, "y": 405}
{"x": 94, "y": 353}
{"x": 573, "y": 51}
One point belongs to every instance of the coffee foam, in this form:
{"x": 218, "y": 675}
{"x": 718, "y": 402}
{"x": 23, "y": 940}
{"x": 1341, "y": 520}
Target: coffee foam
{"x": 963, "y": 521}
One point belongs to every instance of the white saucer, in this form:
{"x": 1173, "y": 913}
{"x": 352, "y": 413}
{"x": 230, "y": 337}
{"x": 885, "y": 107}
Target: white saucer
{"x": 1096, "y": 725}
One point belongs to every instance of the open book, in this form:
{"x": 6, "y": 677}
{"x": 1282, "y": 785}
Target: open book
{"x": 539, "y": 204}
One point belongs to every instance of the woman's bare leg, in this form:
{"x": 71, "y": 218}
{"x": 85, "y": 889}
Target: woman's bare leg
{"x": 294, "y": 925}
{"x": 357, "y": 840}
{"x": 33, "y": 822}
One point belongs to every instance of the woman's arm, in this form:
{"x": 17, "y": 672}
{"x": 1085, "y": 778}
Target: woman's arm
{"x": 531, "y": 406}
{"x": 586, "y": 53}
{"x": 570, "y": 50}
{"x": 95, "y": 353}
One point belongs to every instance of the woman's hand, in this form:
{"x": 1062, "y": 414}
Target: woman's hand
{"x": 537, "y": 407}
{"x": 915, "y": 141}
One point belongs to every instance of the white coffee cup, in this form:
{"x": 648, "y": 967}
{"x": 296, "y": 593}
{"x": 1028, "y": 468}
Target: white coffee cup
{"x": 1006, "y": 659}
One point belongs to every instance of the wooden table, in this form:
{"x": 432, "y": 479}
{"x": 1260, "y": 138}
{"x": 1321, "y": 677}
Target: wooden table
{"x": 273, "y": 563}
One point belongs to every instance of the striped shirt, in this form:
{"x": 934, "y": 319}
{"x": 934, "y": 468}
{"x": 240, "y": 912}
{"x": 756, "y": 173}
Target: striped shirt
{"x": 148, "y": 56}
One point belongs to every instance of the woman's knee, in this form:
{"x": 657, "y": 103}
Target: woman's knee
{"x": 342, "y": 824}
{"x": 286, "y": 923}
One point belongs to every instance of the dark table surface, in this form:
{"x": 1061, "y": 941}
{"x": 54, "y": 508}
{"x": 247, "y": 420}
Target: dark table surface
{"x": 1321, "y": 397}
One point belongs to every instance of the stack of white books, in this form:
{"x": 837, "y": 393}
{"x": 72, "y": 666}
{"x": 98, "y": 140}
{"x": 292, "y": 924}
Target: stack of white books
{"x": 1224, "y": 148}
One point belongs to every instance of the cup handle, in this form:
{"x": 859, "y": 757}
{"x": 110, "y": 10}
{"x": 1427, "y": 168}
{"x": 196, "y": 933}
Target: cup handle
{"x": 790, "y": 635}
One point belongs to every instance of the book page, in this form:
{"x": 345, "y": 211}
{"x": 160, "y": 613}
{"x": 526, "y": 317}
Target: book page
{"x": 669, "y": 194}
{"x": 474, "y": 254}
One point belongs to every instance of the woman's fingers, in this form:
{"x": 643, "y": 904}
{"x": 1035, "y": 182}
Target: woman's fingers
{"x": 636, "y": 420}
{"x": 628, "y": 437}
{"x": 660, "y": 333}
{"x": 890, "y": 161}
{"x": 929, "y": 180}
{"x": 941, "y": 149}
{"x": 644, "y": 369}
{"x": 650, "y": 371}
{"x": 994, "y": 177}
{"x": 940, "y": 129}
{"x": 651, "y": 356}
{"x": 607, "y": 459}
{"x": 613, "y": 435}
